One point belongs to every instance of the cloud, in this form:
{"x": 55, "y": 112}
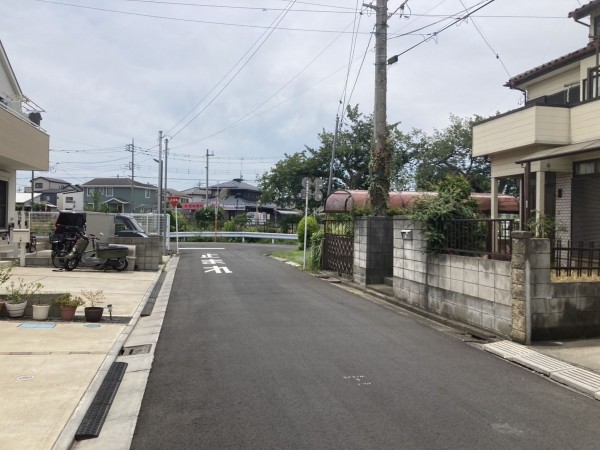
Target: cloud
{"x": 105, "y": 78}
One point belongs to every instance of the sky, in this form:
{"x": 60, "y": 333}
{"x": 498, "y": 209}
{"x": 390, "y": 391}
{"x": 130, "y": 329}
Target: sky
{"x": 252, "y": 80}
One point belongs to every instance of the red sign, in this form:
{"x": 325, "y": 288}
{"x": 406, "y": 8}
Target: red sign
{"x": 192, "y": 206}
{"x": 174, "y": 200}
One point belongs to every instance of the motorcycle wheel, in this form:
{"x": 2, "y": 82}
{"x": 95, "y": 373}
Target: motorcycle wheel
{"x": 121, "y": 265}
{"x": 58, "y": 259}
{"x": 70, "y": 264}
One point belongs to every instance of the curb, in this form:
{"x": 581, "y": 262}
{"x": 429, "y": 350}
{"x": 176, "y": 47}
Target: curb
{"x": 581, "y": 380}
{"x": 66, "y": 438}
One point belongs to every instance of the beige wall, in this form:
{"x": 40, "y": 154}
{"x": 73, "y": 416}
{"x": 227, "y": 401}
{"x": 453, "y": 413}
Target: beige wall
{"x": 22, "y": 146}
{"x": 553, "y": 84}
{"x": 527, "y": 127}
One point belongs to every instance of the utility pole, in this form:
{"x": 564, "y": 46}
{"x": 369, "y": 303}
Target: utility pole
{"x": 132, "y": 175}
{"x": 166, "y": 173}
{"x": 337, "y": 123}
{"x": 160, "y": 183}
{"x": 208, "y": 153}
{"x": 379, "y": 167}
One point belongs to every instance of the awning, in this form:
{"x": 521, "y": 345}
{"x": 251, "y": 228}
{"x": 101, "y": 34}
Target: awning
{"x": 566, "y": 150}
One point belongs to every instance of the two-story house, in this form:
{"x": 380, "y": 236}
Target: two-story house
{"x": 23, "y": 144}
{"x": 121, "y": 195}
{"x": 552, "y": 144}
{"x": 50, "y": 188}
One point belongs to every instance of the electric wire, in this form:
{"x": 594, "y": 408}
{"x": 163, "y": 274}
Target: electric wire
{"x": 487, "y": 42}
{"x": 271, "y": 30}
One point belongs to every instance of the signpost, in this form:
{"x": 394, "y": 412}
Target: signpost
{"x": 306, "y": 194}
{"x": 174, "y": 201}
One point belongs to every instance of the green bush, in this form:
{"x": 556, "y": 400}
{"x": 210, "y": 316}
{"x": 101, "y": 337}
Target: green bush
{"x": 311, "y": 228}
{"x": 316, "y": 251}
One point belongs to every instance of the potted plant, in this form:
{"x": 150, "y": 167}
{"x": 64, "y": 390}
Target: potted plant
{"x": 93, "y": 313}
{"x": 18, "y": 294}
{"x": 40, "y": 310}
{"x": 68, "y": 305}
{"x": 4, "y": 277}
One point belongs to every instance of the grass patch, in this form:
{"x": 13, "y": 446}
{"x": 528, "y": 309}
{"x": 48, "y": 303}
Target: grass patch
{"x": 296, "y": 256}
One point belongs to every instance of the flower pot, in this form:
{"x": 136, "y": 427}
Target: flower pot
{"x": 15, "y": 309}
{"x": 67, "y": 312}
{"x": 93, "y": 313}
{"x": 40, "y": 312}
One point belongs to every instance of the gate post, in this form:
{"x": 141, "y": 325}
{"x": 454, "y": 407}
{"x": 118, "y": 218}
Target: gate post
{"x": 373, "y": 250}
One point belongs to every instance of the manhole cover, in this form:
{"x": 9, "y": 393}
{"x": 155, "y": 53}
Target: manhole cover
{"x": 92, "y": 325}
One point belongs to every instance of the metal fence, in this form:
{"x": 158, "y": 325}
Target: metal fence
{"x": 575, "y": 258}
{"x": 479, "y": 237}
{"x": 338, "y": 246}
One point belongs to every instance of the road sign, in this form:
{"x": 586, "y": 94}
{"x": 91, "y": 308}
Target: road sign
{"x": 173, "y": 200}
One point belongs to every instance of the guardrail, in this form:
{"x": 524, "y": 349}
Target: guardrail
{"x": 234, "y": 234}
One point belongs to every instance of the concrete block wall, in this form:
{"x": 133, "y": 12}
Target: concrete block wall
{"x": 373, "y": 250}
{"x": 472, "y": 290}
{"x": 148, "y": 251}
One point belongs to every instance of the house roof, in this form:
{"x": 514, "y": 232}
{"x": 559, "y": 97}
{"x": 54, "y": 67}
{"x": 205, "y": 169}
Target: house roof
{"x": 551, "y": 66}
{"x": 236, "y": 183}
{"x": 5, "y": 64}
{"x": 194, "y": 191}
{"x": 52, "y": 180}
{"x": 585, "y": 10}
{"x": 114, "y": 182}
{"x": 116, "y": 200}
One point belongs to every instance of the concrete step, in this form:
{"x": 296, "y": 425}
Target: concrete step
{"x": 388, "y": 281}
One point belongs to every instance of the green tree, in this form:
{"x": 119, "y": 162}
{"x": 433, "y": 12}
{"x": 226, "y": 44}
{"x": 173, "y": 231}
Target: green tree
{"x": 448, "y": 153}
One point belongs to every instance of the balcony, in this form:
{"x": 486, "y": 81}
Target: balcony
{"x": 530, "y": 126}
{"x": 23, "y": 145}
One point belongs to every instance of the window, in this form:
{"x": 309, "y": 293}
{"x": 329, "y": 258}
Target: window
{"x": 38, "y": 185}
{"x": 590, "y": 84}
{"x": 68, "y": 199}
{"x": 587, "y": 167}
{"x": 89, "y": 192}
{"x": 147, "y": 193}
{"x": 3, "y": 203}
{"x": 109, "y": 191}
{"x": 101, "y": 190}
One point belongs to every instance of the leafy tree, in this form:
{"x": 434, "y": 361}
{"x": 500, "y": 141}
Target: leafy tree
{"x": 205, "y": 217}
{"x": 436, "y": 212}
{"x": 446, "y": 153}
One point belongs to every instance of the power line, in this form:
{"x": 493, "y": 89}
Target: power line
{"x": 272, "y": 28}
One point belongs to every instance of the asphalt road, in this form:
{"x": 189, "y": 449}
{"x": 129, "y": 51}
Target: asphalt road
{"x": 270, "y": 357}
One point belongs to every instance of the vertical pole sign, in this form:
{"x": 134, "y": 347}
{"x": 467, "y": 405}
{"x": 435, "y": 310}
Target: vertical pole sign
{"x": 307, "y": 193}
{"x": 174, "y": 201}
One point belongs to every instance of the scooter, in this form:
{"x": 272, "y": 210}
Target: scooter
{"x": 100, "y": 256}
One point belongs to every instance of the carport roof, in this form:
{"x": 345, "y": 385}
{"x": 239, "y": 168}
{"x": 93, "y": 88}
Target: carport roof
{"x": 565, "y": 150}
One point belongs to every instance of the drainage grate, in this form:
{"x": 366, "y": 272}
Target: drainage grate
{"x": 95, "y": 416}
{"x": 136, "y": 350}
{"x": 149, "y": 306}
{"x": 37, "y": 325}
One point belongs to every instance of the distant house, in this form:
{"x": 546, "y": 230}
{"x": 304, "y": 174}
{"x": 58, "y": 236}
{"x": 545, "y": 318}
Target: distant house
{"x": 121, "y": 195}
{"x": 23, "y": 144}
{"x": 234, "y": 197}
{"x": 552, "y": 144}
{"x": 50, "y": 188}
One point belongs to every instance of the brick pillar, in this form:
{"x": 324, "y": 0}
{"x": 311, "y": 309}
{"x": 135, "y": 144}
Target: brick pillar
{"x": 519, "y": 287}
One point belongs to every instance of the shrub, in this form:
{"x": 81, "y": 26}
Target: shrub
{"x": 316, "y": 251}
{"x": 311, "y": 227}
